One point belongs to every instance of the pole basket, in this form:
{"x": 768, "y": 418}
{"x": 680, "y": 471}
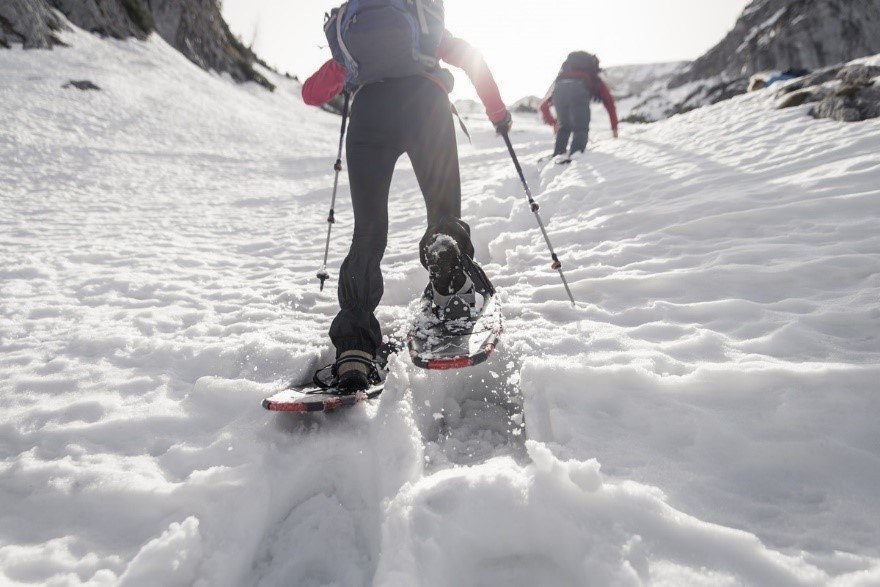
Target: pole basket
{"x": 323, "y": 276}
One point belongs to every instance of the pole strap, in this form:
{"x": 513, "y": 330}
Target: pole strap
{"x": 464, "y": 128}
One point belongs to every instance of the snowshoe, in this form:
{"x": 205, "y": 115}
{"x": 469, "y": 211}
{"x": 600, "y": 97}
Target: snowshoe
{"x": 562, "y": 159}
{"x": 450, "y": 330}
{"x": 330, "y": 390}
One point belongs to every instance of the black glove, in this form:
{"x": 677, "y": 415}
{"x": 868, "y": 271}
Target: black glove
{"x": 502, "y": 127}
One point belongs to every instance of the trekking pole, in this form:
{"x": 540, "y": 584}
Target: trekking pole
{"x": 331, "y": 218}
{"x": 557, "y": 264}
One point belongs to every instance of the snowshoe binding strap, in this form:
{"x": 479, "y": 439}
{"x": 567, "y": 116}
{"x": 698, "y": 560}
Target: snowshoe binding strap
{"x": 482, "y": 284}
{"x": 320, "y": 378}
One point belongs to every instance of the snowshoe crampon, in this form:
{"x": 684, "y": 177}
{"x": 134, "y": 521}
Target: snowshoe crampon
{"x": 453, "y": 344}
{"x": 451, "y": 328}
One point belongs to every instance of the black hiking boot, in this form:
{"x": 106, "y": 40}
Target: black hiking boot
{"x": 446, "y": 270}
{"x": 352, "y": 382}
{"x": 451, "y": 289}
{"x": 354, "y": 370}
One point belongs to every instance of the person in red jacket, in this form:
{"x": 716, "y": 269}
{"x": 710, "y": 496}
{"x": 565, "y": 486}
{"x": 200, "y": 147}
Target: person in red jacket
{"x": 577, "y": 84}
{"x": 411, "y": 115}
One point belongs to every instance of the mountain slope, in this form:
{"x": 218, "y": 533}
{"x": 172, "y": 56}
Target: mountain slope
{"x": 705, "y": 416}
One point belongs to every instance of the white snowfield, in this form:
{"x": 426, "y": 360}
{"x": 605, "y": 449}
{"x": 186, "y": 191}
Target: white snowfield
{"x": 706, "y": 415}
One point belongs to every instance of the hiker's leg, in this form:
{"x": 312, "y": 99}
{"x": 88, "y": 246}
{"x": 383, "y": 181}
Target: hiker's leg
{"x": 370, "y": 159}
{"x": 563, "y": 133}
{"x": 580, "y": 126}
{"x": 564, "y": 98}
{"x": 434, "y": 155}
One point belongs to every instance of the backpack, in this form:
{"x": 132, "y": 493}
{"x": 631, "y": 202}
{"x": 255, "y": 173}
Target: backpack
{"x": 586, "y": 62}
{"x": 383, "y": 39}
{"x": 581, "y": 61}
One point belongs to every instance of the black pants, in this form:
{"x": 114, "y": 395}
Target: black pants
{"x": 407, "y": 115}
{"x": 572, "y": 101}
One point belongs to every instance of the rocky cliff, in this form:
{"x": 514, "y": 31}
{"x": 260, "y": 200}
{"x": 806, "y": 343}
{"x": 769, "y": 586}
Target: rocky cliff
{"x": 194, "y": 27}
{"x": 770, "y": 35}
{"x": 783, "y": 34}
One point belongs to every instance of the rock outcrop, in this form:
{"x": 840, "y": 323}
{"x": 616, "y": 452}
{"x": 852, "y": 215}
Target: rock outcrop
{"x": 527, "y": 105}
{"x": 194, "y": 27}
{"x": 848, "y": 93}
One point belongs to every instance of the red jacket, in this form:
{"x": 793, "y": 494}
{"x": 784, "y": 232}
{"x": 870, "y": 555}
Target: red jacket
{"x": 329, "y": 81}
{"x": 597, "y": 88}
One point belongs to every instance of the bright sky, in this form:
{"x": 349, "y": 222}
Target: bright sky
{"x": 523, "y": 42}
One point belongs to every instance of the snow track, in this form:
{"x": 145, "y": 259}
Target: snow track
{"x": 705, "y": 416}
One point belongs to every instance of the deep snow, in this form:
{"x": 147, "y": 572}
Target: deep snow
{"x": 705, "y": 416}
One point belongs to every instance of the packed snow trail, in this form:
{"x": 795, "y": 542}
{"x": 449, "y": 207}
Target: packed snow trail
{"x": 157, "y": 257}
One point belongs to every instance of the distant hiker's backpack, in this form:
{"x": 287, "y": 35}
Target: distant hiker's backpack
{"x": 581, "y": 61}
{"x": 383, "y": 39}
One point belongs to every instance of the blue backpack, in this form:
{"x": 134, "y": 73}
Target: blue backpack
{"x": 383, "y": 39}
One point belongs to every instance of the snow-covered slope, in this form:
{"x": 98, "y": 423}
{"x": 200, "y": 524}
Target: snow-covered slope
{"x": 632, "y": 85}
{"x": 632, "y": 80}
{"x": 705, "y": 416}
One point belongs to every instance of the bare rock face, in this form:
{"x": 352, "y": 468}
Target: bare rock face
{"x": 116, "y": 18}
{"x": 194, "y": 27}
{"x": 783, "y": 34}
{"x": 29, "y": 23}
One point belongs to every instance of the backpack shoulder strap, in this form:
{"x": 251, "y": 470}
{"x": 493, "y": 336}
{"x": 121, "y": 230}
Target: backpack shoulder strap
{"x": 423, "y": 21}
{"x": 340, "y": 17}
{"x": 429, "y": 61}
